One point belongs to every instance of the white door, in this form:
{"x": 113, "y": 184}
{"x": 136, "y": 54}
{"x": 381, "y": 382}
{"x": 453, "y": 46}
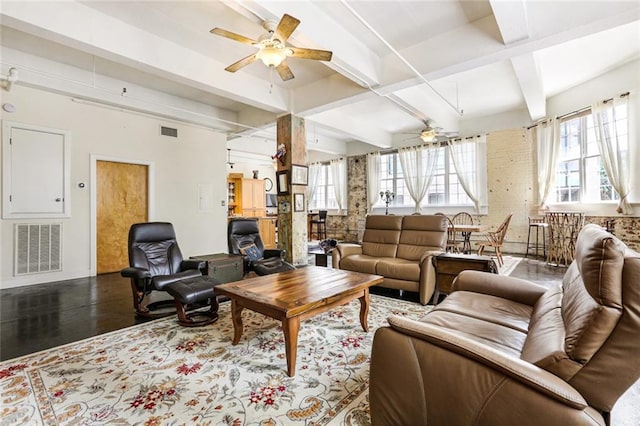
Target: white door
{"x": 36, "y": 177}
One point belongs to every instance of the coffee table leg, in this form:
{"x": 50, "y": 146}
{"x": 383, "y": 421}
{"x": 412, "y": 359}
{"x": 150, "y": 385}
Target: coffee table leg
{"x": 290, "y": 327}
{"x": 236, "y": 317}
{"x": 364, "y": 309}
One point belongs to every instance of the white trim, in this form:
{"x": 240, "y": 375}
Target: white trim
{"x": 94, "y": 201}
{"x": 7, "y": 127}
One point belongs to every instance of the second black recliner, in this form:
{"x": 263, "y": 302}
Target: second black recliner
{"x": 242, "y": 233}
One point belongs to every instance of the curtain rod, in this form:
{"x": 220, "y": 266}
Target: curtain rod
{"x": 578, "y": 111}
{"x": 441, "y": 143}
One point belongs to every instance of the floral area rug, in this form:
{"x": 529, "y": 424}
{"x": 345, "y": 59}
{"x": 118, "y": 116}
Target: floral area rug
{"x": 161, "y": 373}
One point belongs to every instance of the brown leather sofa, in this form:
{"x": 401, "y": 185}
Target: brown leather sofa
{"x": 400, "y": 249}
{"x": 504, "y": 351}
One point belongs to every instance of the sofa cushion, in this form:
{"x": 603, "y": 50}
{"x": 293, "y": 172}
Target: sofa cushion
{"x": 360, "y": 263}
{"x": 422, "y": 234}
{"x": 496, "y": 336}
{"x": 401, "y": 269}
{"x": 544, "y": 346}
{"x": 592, "y": 300}
{"x": 159, "y": 281}
{"x": 381, "y": 235}
{"x": 488, "y": 308}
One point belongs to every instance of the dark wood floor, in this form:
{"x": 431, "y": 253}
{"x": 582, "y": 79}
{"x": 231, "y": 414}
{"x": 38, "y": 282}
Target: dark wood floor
{"x": 42, "y": 316}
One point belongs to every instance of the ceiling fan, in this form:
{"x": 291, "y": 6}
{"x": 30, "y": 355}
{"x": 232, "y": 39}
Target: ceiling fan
{"x": 431, "y": 133}
{"x": 272, "y": 47}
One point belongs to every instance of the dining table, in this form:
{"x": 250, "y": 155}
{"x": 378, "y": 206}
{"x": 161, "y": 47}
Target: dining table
{"x": 466, "y": 231}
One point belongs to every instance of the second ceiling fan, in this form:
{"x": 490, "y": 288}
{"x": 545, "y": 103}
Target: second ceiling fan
{"x": 272, "y": 47}
{"x": 431, "y": 133}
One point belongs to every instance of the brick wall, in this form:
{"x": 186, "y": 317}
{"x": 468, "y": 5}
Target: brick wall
{"x": 350, "y": 227}
{"x": 626, "y": 228}
{"x": 512, "y": 188}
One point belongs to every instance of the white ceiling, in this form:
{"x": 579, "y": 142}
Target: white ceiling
{"x": 395, "y": 62}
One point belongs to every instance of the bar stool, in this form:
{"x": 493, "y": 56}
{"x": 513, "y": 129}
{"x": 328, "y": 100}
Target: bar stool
{"x": 321, "y": 225}
{"x": 537, "y": 224}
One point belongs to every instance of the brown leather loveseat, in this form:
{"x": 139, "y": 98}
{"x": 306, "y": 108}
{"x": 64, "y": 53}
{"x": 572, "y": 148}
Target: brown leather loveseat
{"x": 504, "y": 351}
{"x": 400, "y": 249}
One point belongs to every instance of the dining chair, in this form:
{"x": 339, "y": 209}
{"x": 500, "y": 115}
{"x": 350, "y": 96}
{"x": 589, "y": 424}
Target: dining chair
{"x": 463, "y": 218}
{"x": 495, "y": 239}
{"x": 320, "y": 224}
{"x": 452, "y": 245}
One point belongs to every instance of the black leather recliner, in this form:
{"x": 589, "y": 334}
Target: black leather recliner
{"x": 244, "y": 232}
{"x": 155, "y": 261}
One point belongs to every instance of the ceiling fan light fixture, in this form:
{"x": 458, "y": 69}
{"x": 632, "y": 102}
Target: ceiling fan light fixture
{"x": 271, "y": 56}
{"x": 428, "y": 135}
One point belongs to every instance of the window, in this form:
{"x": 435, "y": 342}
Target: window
{"x": 324, "y": 197}
{"x": 445, "y": 188}
{"x": 580, "y": 175}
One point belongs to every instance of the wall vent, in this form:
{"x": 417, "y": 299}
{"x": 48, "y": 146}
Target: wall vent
{"x": 38, "y": 248}
{"x": 169, "y": 131}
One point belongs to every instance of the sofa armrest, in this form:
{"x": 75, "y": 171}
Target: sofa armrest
{"x": 517, "y": 369}
{"x": 509, "y": 288}
{"x": 135, "y": 273}
{"x": 343, "y": 250}
{"x": 427, "y": 255}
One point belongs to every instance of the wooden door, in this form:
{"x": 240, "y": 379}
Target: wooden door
{"x": 122, "y": 200}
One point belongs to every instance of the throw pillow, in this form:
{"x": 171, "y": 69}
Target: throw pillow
{"x": 252, "y": 252}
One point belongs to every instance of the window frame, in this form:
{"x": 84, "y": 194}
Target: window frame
{"x": 329, "y": 194}
{"x": 582, "y": 160}
{"x": 449, "y": 170}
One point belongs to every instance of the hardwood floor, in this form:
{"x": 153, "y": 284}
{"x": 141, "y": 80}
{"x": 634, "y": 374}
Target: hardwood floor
{"x": 42, "y": 316}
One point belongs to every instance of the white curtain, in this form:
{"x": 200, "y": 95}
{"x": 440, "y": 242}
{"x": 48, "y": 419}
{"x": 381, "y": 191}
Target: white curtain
{"x": 418, "y": 165}
{"x": 548, "y": 150}
{"x": 373, "y": 179}
{"x": 612, "y": 137}
{"x": 314, "y": 173}
{"x": 339, "y": 177}
{"x": 465, "y": 155}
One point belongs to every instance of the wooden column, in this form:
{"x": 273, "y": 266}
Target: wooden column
{"x": 292, "y": 225}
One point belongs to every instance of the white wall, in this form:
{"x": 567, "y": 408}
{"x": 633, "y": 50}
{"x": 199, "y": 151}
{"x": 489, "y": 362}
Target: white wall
{"x": 196, "y": 157}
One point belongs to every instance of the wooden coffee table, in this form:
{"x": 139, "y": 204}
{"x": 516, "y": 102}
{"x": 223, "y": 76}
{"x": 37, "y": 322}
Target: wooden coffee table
{"x": 293, "y": 296}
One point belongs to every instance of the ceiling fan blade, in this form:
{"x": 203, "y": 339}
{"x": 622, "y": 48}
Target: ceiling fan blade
{"x": 302, "y": 53}
{"x": 241, "y": 63}
{"x": 286, "y": 27}
{"x": 284, "y": 71}
{"x": 232, "y": 36}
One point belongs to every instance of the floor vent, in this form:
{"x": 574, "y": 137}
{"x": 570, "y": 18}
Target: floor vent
{"x": 38, "y": 248}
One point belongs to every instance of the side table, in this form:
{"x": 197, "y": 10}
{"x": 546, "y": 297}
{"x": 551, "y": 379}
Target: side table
{"x": 223, "y": 267}
{"x": 321, "y": 257}
{"x": 449, "y": 265}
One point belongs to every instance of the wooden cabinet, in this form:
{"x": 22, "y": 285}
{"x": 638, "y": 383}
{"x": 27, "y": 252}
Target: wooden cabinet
{"x": 234, "y": 194}
{"x": 267, "y": 227}
{"x": 253, "y": 198}
{"x": 246, "y": 197}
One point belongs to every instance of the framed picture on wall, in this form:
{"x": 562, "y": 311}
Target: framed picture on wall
{"x": 299, "y": 175}
{"x": 298, "y": 202}
{"x": 282, "y": 182}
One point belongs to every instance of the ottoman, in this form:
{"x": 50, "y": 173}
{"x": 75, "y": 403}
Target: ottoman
{"x": 190, "y": 291}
